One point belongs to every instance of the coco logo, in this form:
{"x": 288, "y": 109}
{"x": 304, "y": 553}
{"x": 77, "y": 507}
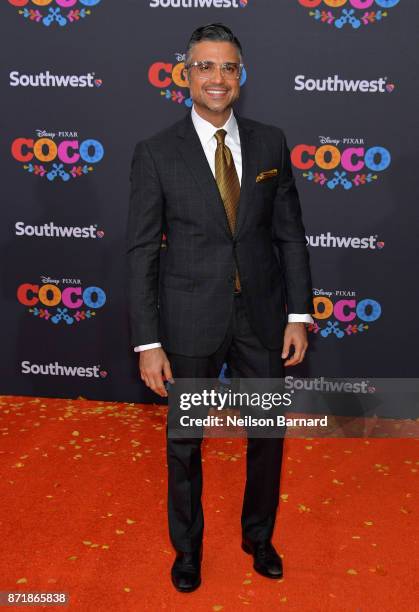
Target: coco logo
{"x": 168, "y": 78}
{"x": 70, "y": 303}
{"x": 351, "y": 13}
{"x": 48, "y": 12}
{"x": 342, "y": 313}
{"x": 61, "y": 155}
{"x": 345, "y": 163}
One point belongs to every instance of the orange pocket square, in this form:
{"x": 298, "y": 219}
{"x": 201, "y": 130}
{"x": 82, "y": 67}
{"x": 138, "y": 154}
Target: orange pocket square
{"x": 262, "y": 176}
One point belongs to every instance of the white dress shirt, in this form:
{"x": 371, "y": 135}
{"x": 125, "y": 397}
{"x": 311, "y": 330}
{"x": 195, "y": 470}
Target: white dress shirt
{"x": 206, "y": 133}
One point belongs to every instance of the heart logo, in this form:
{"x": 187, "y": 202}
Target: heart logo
{"x": 380, "y": 244}
{"x": 390, "y": 87}
{"x": 243, "y": 3}
{"x": 98, "y": 82}
{"x": 100, "y": 233}
{"x": 103, "y": 373}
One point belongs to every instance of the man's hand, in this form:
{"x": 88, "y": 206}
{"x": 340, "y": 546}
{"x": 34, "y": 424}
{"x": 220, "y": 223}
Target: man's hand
{"x": 295, "y": 335}
{"x": 155, "y": 369}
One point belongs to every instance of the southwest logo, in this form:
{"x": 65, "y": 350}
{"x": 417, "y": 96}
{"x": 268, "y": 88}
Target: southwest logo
{"x": 47, "y": 79}
{"x": 348, "y": 13}
{"x": 331, "y": 385}
{"x": 342, "y": 313}
{"x": 168, "y": 78}
{"x": 52, "y": 230}
{"x": 58, "y": 369}
{"x": 57, "y": 156}
{"x": 61, "y": 300}
{"x": 198, "y": 3}
{"x": 345, "y": 163}
{"x": 345, "y": 242}
{"x": 336, "y": 84}
{"x": 61, "y": 13}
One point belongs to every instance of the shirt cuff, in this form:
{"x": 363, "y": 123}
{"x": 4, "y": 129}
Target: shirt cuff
{"x": 145, "y": 347}
{"x": 292, "y": 318}
{"x": 300, "y": 318}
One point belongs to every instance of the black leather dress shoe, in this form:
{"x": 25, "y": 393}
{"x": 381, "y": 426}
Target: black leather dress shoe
{"x": 186, "y": 571}
{"x": 266, "y": 560}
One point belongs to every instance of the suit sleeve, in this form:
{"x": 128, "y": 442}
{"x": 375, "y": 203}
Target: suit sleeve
{"x": 144, "y": 234}
{"x": 290, "y": 239}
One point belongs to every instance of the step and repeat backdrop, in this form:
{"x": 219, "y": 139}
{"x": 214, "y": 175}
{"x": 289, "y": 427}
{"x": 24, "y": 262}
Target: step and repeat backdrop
{"x": 83, "y": 80}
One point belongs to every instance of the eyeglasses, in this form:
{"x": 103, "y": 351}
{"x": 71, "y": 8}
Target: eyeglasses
{"x": 207, "y": 70}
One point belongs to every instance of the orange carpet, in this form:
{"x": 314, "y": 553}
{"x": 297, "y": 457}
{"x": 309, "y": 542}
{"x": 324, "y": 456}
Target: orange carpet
{"x": 83, "y": 510}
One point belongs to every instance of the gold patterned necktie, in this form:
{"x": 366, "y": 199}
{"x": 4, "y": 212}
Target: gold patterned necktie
{"x": 228, "y": 184}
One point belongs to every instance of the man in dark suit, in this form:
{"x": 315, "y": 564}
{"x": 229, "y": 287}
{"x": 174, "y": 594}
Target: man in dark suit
{"x": 222, "y": 190}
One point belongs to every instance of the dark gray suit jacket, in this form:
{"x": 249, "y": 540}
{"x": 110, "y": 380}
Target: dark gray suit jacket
{"x": 184, "y": 300}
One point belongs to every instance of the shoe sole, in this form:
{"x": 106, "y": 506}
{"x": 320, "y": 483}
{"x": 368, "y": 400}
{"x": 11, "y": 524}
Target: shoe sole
{"x": 249, "y": 552}
{"x": 189, "y": 590}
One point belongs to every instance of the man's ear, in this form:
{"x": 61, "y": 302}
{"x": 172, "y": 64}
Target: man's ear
{"x": 185, "y": 76}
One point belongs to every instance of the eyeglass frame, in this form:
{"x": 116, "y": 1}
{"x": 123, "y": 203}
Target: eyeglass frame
{"x": 197, "y": 63}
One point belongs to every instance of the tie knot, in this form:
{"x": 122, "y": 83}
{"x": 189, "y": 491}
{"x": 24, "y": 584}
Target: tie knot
{"x": 220, "y": 136}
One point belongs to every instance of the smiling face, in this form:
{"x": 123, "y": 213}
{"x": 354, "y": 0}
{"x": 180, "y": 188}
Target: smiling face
{"x": 213, "y": 97}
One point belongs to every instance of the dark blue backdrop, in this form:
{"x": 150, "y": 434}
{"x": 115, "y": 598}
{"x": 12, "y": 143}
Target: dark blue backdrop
{"x": 82, "y": 83}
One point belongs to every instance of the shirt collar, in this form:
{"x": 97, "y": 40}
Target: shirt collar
{"x": 206, "y": 130}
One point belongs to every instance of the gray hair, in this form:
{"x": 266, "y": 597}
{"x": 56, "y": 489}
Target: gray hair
{"x": 213, "y": 31}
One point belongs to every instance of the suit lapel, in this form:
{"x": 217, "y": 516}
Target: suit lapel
{"x": 193, "y": 154}
{"x": 249, "y": 149}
